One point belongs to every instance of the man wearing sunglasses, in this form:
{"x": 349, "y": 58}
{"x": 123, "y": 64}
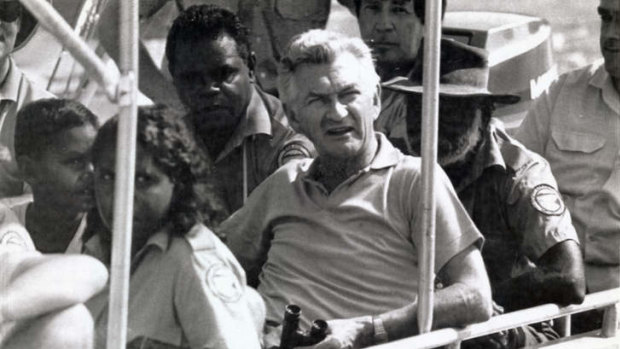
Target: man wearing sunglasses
{"x": 16, "y": 26}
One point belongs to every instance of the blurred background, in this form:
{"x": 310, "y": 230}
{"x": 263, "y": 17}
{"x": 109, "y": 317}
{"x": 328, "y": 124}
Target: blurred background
{"x": 575, "y": 30}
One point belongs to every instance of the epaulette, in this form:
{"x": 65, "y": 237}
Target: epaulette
{"x": 200, "y": 238}
{"x": 516, "y": 156}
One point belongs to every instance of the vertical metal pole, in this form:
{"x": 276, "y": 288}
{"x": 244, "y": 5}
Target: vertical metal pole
{"x": 124, "y": 184}
{"x": 430, "y": 111}
{"x": 610, "y": 321}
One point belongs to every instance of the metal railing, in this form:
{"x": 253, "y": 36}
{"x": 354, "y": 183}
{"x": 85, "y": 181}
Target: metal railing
{"x": 452, "y": 336}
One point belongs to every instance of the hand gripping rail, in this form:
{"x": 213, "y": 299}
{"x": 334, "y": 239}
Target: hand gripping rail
{"x": 609, "y": 300}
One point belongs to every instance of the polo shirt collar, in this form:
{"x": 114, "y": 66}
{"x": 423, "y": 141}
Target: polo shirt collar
{"x": 255, "y": 121}
{"x": 387, "y": 156}
{"x": 602, "y": 81}
{"x": 9, "y": 90}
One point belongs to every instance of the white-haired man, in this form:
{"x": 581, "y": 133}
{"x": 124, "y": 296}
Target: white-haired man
{"x": 338, "y": 235}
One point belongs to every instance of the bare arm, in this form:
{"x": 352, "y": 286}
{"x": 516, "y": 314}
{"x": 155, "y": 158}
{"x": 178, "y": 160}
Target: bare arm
{"x": 45, "y": 283}
{"x": 152, "y": 81}
{"x": 465, "y": 299}
{"x": 558, "y": 278}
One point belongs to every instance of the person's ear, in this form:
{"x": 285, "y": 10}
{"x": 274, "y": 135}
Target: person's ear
{"x": 252, "y": 65}
{"x": 27, "y": 169}
{"x": 376, "y": 101}
{"x": 292, "y": 118}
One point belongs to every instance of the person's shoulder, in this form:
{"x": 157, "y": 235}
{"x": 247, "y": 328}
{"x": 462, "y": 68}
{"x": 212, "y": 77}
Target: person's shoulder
{"x": 581, "y": 76}
{"x": 516, "y": 156}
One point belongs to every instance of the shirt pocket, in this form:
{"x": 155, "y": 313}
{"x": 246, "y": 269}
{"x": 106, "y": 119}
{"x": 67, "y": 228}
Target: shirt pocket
{"x": 576, "y": 141}
{"x": 302, "y": 9}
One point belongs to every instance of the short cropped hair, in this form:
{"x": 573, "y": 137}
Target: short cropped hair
{"x": 165, "y": 135}
{"x": 40, "y": 122}
{"x": 206, "y": 22}
{"x": 320, "y": 47}
{"x": 419, "y": 7}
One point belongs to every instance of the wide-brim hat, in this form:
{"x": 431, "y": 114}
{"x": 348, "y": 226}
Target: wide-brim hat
{"x": 26, "y": 29}
{"x": 464, "y": 72}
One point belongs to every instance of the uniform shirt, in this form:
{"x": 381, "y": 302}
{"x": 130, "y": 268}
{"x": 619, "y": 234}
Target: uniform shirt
{"x": 186, "y": 292}
{"x": 576, "y": 127}
{"x": 350, "y": 252}
{"x": 511, "y": 195}
{"x": 15, "y": 92}
{"x": 18, "y": 206}
{"x": 262, "y": 142}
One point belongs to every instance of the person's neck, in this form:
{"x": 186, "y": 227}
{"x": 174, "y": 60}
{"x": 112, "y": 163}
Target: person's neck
{"x": 5, "y": 64}
{"x": 615, "y": 82}
{"x": 51, "y": 228}
{"x": 333, "y": 171}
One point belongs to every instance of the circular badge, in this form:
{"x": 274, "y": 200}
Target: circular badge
{"x": 547, "y": 200}
{"x": 223, "y": 283}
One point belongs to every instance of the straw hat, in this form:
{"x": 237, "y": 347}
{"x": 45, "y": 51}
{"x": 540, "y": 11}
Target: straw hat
{"x": 464, "y": 72}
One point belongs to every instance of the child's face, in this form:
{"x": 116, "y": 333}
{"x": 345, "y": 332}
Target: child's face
{"x": 62, "y": 174}
{"x": 152, "y": 194}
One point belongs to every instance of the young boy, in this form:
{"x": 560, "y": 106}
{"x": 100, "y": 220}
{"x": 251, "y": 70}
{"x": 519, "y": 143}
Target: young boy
{"x": 52, "y": 147}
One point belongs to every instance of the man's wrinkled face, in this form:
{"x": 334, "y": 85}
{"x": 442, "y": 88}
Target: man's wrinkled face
{"x": 460, "y": 121}
{"x": 392, "y": 29}
{"x": 335, "y": 107}
{"x": 212, "y": 80}
{"x": 9, "y": 26}
{"x": 609, "y": 11}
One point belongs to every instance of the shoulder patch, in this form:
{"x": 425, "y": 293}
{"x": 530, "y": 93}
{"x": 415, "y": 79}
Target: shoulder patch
{"x": 547, "y": 200}
{"x": 223, "y": 283}
{"x": 292, "y": 151}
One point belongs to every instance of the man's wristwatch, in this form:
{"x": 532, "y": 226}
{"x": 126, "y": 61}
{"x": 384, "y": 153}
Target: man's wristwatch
{"x": 380, "y": 336}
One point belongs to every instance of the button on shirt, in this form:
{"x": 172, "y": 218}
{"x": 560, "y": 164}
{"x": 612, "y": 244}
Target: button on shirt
{"x": 262, "y": 142}
{"x": 512, "y": 197}
{"x": 187, "y": 292}
{"x": 576, "y": 127}
{"x": 350, "y": 252}
{"x": 15, "y": 92}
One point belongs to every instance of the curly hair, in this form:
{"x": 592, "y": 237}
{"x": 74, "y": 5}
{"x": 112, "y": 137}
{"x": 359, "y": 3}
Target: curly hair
{"x": 201, "y": 22}
{"x": 165, "y": 135}
{"x": 39, "y": 123}
{"x": 419, "y": 7}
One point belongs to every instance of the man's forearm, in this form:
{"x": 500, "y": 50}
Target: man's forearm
{"x": 454, "y": 306}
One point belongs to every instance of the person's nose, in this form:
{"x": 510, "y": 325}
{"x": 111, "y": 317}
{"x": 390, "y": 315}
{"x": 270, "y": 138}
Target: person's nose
{"x": 337, "y": 110}
{"x": 384, "y": 20}
{"x": 209, "y": 86}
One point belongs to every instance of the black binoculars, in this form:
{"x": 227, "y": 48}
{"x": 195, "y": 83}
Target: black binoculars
{"x": 293, "y": 336}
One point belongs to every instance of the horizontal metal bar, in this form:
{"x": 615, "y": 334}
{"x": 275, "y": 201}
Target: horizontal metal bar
{"x": 503, "y": 322}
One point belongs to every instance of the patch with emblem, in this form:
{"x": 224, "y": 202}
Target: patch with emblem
{"x": 12, "y": 238}
{"x": 547, "y": 200}
{"x": 223, "y": 283}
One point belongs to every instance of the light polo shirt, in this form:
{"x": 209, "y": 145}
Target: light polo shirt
{"x": 350, "y": 252}
{"x": 576, "y": 127}
{"x": 262, "y": 142}
{"x": 185, "y": 291}
{"x": 15, "y": 92}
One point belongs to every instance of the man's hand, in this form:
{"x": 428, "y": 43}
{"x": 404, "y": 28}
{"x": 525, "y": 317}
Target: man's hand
{"x": 348, "y": 334}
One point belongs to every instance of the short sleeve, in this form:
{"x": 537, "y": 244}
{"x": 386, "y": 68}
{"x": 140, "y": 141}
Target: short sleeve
{"x": 454, "y": 230}
{"x": 216, "y": 309}
{"x": 536, "y": 212}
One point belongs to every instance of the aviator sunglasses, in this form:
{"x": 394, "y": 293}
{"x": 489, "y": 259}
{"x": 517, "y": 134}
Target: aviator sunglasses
{"x": 10, "y": 11}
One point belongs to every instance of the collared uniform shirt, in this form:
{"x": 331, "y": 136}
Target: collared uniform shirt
{"x": 15, "y": 92}
{"x": 350, "y": 252}
{"x": 185, "y": 292}
{"x": 576, "y": 127}
{"x": 13, "y": 210}
{"x": 262, "y": 142}
{"x": 512, "y": 197}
